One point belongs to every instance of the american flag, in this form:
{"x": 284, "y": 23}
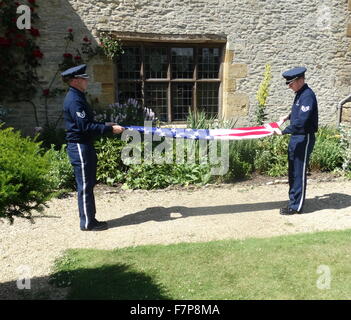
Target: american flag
{"x": 212, "y": 134}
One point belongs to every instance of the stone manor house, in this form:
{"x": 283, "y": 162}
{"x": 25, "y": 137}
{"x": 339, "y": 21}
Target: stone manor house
{"x": 202, "y": 54}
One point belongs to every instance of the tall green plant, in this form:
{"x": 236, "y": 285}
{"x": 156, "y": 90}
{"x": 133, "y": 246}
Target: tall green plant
{"x": 200, "y": 120}
{"x": 262, "y": 95}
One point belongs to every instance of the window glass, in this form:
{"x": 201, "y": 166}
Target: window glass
{"x": 129, "y": 90}
{"x": 207, "y": 97}
{"x": 156, "y": 63}
{"x": 130, "y": 64}
{"x": 143, "y": 75}
{"x": 182, "y": 63}
{"x": 156, "y": 99}
{"x": 182, "y": 94}
{"x": 208, "y": 62}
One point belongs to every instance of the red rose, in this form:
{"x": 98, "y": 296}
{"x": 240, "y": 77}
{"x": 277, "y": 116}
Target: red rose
{"x": 46, "y": 92}
{"x": 37, "y": 53}
{"x": 70, "y": 30}
{"x": 77, "y": 58}
{"x": 67, "y": 55}
{"x": 86, "y": 39}
{"x": 34, "y": 32}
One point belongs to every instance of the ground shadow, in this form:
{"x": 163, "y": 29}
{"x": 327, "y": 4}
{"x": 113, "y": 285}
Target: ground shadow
{"x": 327, "y": 201}
{"x": 113, "y": 282}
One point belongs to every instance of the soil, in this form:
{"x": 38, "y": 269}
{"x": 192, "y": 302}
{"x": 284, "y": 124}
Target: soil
{"x": 177, "y": 214}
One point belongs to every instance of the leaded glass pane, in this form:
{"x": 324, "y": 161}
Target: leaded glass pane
{"x": 181, "y": 100}
{"x": 208, "y": 63}
{"x": 207, "y": 98}
{"x": 129, "y": 90}
{"x": 182, "y": 63}
{"x": 156, "y": 63}
{"x": 129, "y": 65}
{"x": 156, "y": 99}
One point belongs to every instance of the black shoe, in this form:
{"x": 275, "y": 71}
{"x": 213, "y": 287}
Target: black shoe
{"x": 97, "y": 226}
{"x": 288, "y": 211}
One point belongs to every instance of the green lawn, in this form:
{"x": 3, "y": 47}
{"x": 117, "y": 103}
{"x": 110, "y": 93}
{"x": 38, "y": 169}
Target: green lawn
{"x": 275, "y": 268}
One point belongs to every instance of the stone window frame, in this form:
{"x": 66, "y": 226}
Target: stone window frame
{"x": 171, "y": 44}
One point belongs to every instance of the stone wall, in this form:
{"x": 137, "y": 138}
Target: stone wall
{"x": 314, "y": 33}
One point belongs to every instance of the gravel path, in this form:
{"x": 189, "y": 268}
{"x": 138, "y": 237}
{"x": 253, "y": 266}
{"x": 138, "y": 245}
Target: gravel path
{"x": 162, "y": 217}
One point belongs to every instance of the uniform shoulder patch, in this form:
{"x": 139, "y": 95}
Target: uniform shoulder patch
{"x": 81, "y": 114}
{"x": 305, "y": 108}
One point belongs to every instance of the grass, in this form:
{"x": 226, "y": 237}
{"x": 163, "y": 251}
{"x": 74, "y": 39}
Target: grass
{"x": 285, "y": 267}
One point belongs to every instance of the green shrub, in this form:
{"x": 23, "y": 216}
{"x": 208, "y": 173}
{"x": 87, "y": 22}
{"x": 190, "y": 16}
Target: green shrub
{"x": 272, "y": 153}
{"x": 238, "y": 169}
{"x": 327, "y": 154}
{"x": 272, "y": 156}
{"x": 185, "y": 174}
{"x": 23, "y": 176}
{"x": 110, "y": 168}
{"x": 148, "y": 176}
{"x": 158, "y": 176}
{"x": 61, "y": 172}
{"x": 155, "y": 175}
{"x": 267, "y": 156}
{"x": 241, "y": 159}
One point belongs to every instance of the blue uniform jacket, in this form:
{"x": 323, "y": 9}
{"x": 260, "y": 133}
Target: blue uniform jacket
{"x": 79, "y": 120}
{"x": 304, "y": 113}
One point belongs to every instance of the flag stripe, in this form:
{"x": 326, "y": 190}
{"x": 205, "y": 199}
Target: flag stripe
{"x": 211, "y": 134}
{"x": 242, "y": 134}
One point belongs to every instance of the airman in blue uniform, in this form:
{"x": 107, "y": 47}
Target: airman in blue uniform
{"x": 303, "y": 125}
{"x": 80, "y": 132}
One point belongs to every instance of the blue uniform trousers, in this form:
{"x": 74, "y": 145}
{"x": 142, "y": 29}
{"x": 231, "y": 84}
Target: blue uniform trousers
{"x": 299, "y": 151}
{"x": 83, "y": 159}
